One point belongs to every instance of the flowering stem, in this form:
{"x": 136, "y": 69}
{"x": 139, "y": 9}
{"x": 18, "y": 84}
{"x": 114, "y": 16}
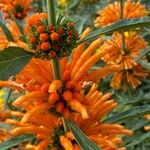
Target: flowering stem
{"x": 52, "y": 21}
{"x": 51, "y": 12}
{"x": 55, "y": 61}
{"x": 122, "y": 32}
{"x": 56, "y": 68}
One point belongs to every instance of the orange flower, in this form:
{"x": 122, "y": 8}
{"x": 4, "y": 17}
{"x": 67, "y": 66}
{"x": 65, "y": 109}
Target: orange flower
{"x": 111, "y": 13}
{"x": 15, "y": 32}
{"x": 34, "y": 19}
{"x": 114, "y": 54}
{"x": 68, "y": 97}
{"x": 19, "y": 8}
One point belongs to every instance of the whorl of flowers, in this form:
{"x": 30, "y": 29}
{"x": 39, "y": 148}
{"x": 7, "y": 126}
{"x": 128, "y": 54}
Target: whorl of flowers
{"x": 19, "y": 8}
{"x": 48, "y": 40}
{"x": 111, "y": 13}
{"x": 131, "y": 71}
{"x": 75, "y": 96}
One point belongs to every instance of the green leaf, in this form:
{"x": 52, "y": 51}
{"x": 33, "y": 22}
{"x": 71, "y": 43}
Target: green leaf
{"x": 18, "y": 23}
{"x": 143, "y": 53}
{"x": 144, "y": 64}
{"x": 124, "y": 24}
{"x": 5, "y": 126}
{"x": 133, "y": 112}
{"x": 15, "y": 141}
{"x": 12, "y": 60}
{"x": 6, "y": 32}
{"x": 82, "y": 140}
{"x": 79, "y": 24}
{"x": 139, "y": 139}
{"x": 73, "y": 4}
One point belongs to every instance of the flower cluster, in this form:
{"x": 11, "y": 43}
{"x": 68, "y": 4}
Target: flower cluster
{"x": 111, "y": 13}
{"x": 19, "y": 8}
{"x": 124, "y": 47}
{"x": 76, "y": 97}
{"x": 48, "y": 40}
{"x": 131, "y": 71}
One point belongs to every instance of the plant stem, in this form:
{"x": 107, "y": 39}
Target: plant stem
{"x": 52, "y": 21}
{"x": 56, "y": 68}
{"x": 51, "y": 12}
{"x": 55, "y": 61}
{"x": 122, "y": 32}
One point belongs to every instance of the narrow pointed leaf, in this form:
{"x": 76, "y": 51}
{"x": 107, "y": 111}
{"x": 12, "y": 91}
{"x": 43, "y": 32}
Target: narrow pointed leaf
{"x": 124, "y": 24}
{"x": 79, "y": 24}
{"x": 144, "y": 64}
{"x": 73, "y": 4}
{"x": 15, "y": 141}
{"x": 83, "y": 141}
{"x": 6, "y": 32}
{"x": 18, "y": 23}
{"x": 133, "y": 112}
{"x": 12, "y": 60}
{"x": 138, "y": 139}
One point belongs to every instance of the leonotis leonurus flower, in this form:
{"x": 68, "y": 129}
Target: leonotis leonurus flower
{"x": 111, "y": 13}
{"x": 48, "y": 40}
{"x": 19, "y": 8}
{"x": 76, "y": 97}
{"x": 131, "y": 71}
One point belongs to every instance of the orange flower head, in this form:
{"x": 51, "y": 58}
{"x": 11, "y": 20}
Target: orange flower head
{"x": 111, "y": 13}
{"x": 76, "y": 97}
{"x": 51, "y": 41}
{"x": 19, "y": 8}
{"x": 115, "y": 54}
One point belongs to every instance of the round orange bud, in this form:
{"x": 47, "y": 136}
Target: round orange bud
{"x": 54, "y": 36}
{"x": 45, "y": 46}
{"x": 67, "y": 95}
{"x": 60, "y": 31}
{"x": 32, "y": 40}
{"x": 40, "y": 29}
{"x": 66, "y": 113}
{"x": 53, "y": 97}
{"x": 43, "y": 37}
{"x": 71, "y": 24}
{"x": 19, "y": 15}
{"x": 70, "y": 85}
{"x": 51, "y": 28}
{"x": 60, "y": 107}
{"x": 52, "y": 54}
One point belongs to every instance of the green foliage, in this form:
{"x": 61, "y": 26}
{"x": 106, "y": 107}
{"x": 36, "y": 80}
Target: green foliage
{"x": 15, "y": 141}
{"x": 124, "y": 24}
{"x": 79, "y": 24}
{"x": 12, "y": 60}
{"x": 82, "y": 140}
{"x": 133, "y": 112}
{"x": 6, "y": 32}
{"x": 73, "y": 4}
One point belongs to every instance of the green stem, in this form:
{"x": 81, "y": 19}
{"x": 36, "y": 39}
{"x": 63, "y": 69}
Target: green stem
{"x": 51, "y": 12}
{"x": 121, "y": 8}
{"x": 56, "y": 68}
{"x": 64, "y": 124}
{"x": 52, "y": 21}
{"x": 55, "y": 61}
{"x": 122, "y": 32}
